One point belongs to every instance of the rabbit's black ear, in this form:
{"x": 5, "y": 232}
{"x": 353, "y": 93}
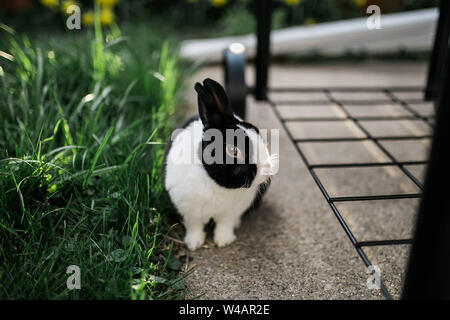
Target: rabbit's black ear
{"x": 213, "y": 105}
{"x": 219, "y": 94}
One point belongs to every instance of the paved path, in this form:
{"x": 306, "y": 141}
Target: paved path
{"x": 292, "y": 247}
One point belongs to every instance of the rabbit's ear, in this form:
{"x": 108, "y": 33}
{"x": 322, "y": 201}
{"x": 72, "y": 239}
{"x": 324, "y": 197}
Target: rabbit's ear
{"x": 220, "y": 96}
{"x": 213, "y": 105}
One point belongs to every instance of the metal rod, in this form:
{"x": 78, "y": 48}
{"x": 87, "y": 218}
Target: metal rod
{"x": 427, "y": 275}
{"x": 368, "y": 118}
{"x": 344, "y": 139}
{"x": 263, "y": 17}
{"x": 440, "y": 47}
{"x": 377, "y": 197}
{"x": 351, "y": 89}
{"x": 326, "y": 103}
{"x": 366, "y": 164}
{"x": 393, "y": 242}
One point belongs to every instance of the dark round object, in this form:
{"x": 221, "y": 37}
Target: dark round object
{"x": 234, "y": 70}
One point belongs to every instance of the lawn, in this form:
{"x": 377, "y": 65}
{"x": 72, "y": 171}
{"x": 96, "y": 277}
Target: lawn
{"x": 84, "y": 122}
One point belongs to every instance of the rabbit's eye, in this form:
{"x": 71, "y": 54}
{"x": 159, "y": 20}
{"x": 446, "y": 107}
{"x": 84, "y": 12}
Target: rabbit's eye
{"x": 233, "y": 151}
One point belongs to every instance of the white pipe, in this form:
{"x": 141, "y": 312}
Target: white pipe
{"x": 411, "y": 30}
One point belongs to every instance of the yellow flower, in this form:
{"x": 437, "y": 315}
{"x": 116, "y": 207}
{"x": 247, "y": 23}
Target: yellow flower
{"x": 106, "y": 16}
{"x": 292, "y": 2}
{"x": 360, "y": 3}
{"x": 52, "y": 4}
{"x": 66, "y": 4}
{"x": 107, "y": 3}
{"x": 88, "y": 18}
{"x": 52, "y": 189}
{"x": 310, "y": 21}
{"x": 218, "y": 3}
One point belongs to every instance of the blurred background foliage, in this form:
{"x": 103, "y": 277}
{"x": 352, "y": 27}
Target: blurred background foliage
{"x": 193, "y": 17}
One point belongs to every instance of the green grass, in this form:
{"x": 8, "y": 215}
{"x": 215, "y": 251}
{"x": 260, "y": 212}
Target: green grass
{"x": 83, "y": 124}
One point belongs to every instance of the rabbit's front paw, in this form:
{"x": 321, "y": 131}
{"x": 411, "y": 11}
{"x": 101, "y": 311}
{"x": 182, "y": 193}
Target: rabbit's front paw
{"x": 223, "y": 237}
{"x": 194, "y": 239}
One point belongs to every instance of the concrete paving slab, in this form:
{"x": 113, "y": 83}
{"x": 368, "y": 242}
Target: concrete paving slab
{"x": 396, "y": 128}
{"x": 367, "y": 219}
{"x": 343, "y": 152}
{"x": 356, "y": 96}
{"x": 377, "y": 110}
{"x": 408, "y": 150}
{"x": 320, "y": 111}
{"x": 324, "y": 129}
{"x": 360, "y": 181}
{"x": 424, "y": 109}
{"x": 297, "y": 96}
{"x": 408, "y": 96}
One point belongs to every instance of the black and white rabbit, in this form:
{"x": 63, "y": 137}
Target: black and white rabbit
{"x": 220, "y": 190}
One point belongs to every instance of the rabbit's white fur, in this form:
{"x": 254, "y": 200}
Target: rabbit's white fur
{"x": 198, "y": 198}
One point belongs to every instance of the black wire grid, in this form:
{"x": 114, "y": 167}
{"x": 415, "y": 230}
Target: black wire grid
{"x": 392, "y": 98}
